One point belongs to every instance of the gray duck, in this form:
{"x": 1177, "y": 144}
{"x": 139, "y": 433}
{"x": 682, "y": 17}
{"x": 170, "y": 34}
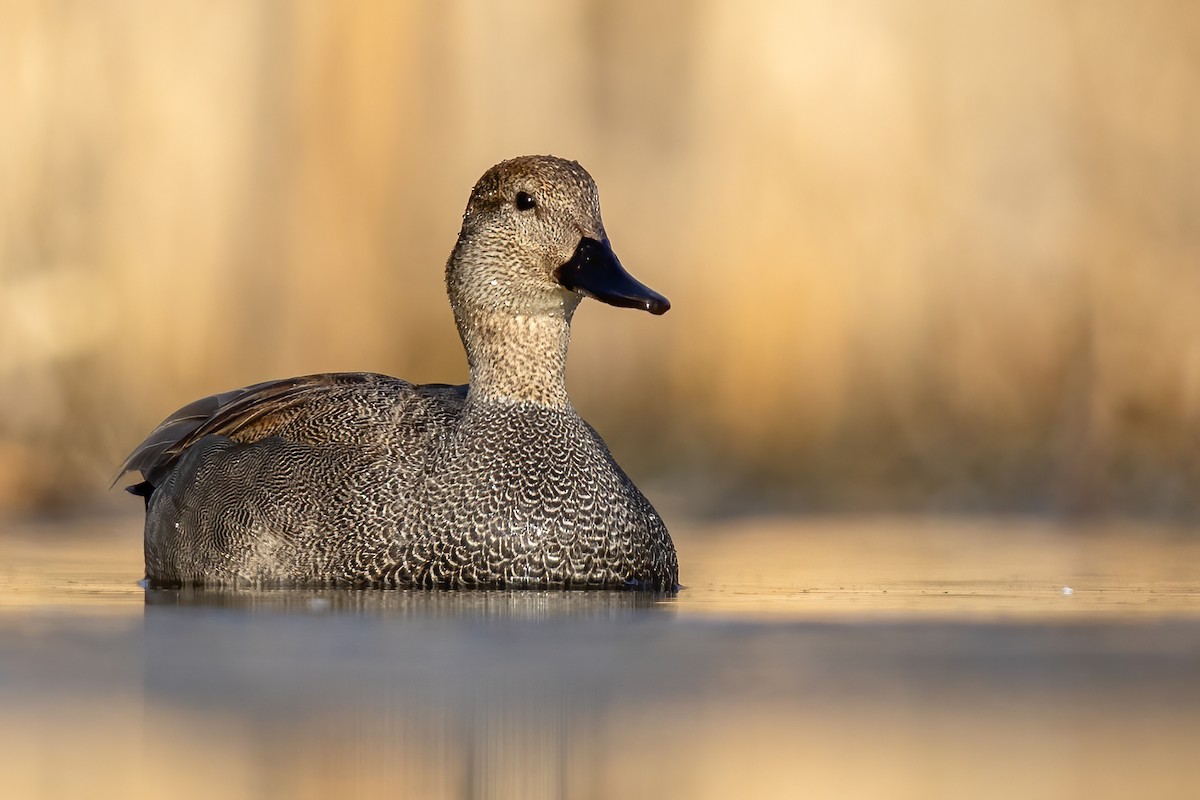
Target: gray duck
{"x": 358, "y": 479}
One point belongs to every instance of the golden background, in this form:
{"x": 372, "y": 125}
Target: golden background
{"x": 931, "y": 255}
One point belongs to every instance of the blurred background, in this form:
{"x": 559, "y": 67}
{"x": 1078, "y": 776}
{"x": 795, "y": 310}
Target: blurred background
{"x": 921, "y": 255}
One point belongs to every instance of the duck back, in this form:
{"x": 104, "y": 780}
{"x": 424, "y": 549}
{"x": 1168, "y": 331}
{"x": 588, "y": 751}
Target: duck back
{"x": 377, "y": 482}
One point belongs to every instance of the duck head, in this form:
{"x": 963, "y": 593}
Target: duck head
{"x": 532, "y": 244}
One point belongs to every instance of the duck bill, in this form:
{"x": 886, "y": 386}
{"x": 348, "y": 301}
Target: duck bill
{"x": 594, "y": 271}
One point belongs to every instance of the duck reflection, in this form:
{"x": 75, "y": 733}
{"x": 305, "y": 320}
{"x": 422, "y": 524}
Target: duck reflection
{"x": 519, "y": 604}
{"x": 449, "y": 694}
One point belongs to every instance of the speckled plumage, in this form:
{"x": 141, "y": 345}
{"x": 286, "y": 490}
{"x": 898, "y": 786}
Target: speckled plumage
{"x": 365, "y": 480}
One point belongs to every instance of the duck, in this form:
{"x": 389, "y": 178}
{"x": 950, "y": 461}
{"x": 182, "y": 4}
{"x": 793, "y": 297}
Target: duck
{"x": 365, "y": 480}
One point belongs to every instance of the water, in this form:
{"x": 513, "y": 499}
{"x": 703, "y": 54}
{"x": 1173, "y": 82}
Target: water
{"x": 807, "y": 658}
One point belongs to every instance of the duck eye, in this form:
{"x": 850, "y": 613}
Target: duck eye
{"x": 525, "y": 201}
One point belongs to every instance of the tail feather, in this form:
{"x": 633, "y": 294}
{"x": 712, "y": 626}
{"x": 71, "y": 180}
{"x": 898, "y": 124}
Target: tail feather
{"x": 143, "y": 490}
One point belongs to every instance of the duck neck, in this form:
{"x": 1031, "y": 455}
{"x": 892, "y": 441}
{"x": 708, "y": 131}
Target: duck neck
{"x": 517, "y": 358}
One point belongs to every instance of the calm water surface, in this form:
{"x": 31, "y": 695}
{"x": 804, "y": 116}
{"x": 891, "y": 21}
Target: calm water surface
{"x": 816, "y": 657}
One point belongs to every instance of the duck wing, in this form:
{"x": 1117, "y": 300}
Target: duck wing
{"x": 253, "y": 413}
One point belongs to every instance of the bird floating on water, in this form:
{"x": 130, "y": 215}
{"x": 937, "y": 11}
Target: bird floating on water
{"x": 358, "y": 479}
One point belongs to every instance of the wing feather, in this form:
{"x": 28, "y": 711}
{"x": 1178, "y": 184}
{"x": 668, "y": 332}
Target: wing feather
{"x": 263, "y": 406}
